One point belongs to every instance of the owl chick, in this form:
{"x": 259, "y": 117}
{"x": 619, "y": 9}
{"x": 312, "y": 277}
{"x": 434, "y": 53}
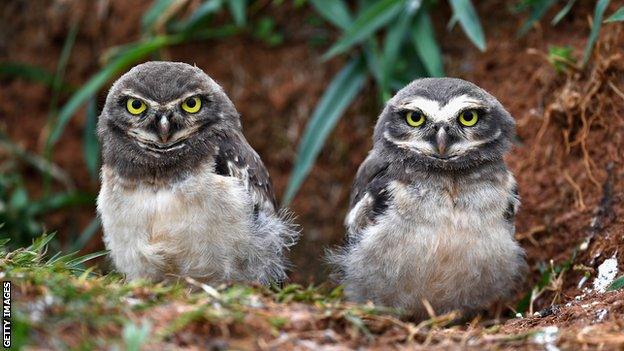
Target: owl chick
{"x": 432, "y": 207}
{"x": 183, "y": 193}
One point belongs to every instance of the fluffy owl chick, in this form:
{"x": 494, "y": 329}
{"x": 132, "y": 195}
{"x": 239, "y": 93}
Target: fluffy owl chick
{"x": 432, "y": 207}
{"x": 183, "y": 193}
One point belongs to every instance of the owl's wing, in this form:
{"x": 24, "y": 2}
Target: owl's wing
{"x": 369, "y": 195}
{"x": 513, "y": 202}
{"x": 236, "y": 158}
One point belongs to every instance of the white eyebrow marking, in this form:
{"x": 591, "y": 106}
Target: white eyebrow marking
{"x": 437, "y": 113}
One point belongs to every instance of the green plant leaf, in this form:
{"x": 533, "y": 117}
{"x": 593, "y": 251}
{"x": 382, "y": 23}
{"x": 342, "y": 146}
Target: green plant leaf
{"x": 335, "y": 11}
{"x": 564, "y": 11}
{"x": 121, "y": 62}
{"x": 238, "y": 9}
{"x": 82, "y": 259}
{"x": 86, "y": 235}
{"x": 561, "y": 57}
{"x": 19, "y": 199}
{"x": 367, "y": 22}
{"x": 199, "y": 15}
{"x": 338, "y": 96}
{"x": 538, "y": 10}
{"x": 616, "y": 284}
{"x": 469, "y": 21}
{"x": 151, "y": 16}
{"x": 392, "y": 44}
{"x": 68, "y": 45}
{"x": 60, "y": 200}
{"x": 599, "y": 11}
{"x": 31, "y": 73}
{"x": 617, "y": 16}
{"x": 91, "y": 145}
{"x": 136, "y": 336}
{"x": 375, "y": 65}
{"x": 423, "y": 37}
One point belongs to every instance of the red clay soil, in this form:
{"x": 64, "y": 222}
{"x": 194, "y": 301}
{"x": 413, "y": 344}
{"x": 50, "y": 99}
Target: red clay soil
{"x": 569, "y": 160}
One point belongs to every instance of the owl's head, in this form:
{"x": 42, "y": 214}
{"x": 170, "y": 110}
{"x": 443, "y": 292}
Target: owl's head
{"x": 161, "y": 117}
{"x": 444, "y": 123}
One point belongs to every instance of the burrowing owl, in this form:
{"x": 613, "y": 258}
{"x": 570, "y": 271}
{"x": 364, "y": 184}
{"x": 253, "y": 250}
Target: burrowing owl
{"x": 433, "y": 205}
{"x": 183, "y": 193}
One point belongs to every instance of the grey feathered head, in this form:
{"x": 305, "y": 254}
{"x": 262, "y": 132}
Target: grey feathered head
{"x": 444, "y": 123}
{"x": 160, "y": 118}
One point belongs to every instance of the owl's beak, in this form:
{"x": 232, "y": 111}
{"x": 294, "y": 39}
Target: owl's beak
{"x": 163, "y": 129}
{"x": 441, "y": 140}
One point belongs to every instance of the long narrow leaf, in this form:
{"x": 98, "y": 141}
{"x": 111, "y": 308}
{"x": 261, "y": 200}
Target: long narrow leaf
{"x": 335, "y": 11}
{"x": 616, "y": 284}
{"x": 204, "y": 11}
{"x": 154, "y": 12}
{"x": 57, "y": 201}
{"x": 86, "y": 234}
{"x": 128, "y": 58}
{"x": 564, "y": 11}
{"x": 91, "y": 146}
{"x": 469, "y": 21}
{"x": 375, "y": 66}
{"x": 393, "y": 42}
{"x": 82, "y": 259}
{"x": 617, "y": 16}
{"x": 68, "y": 45}
{"x": 31, "y": 73}
{"x": 423, "y": 36}
{"x": 599, "y": 11}
{"x": 369, "y": 21}
{"x": 238, "y": 9}
{"x": 338, "y": 96}
{"x": 538, "y": 10}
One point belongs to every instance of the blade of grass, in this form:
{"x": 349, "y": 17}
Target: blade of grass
{"x": 564, "y": 11}
{"x": 68, "y": 45}
{"x": 91, "y": 145}
{"x": 37, "y": 162}
{"x": 538, "y": 10}
{"x": 60, "y": 200}
{"x": 469, "y": 21}
{"x": 392, "y": 44}
{"x": 599, "y": 11}
{"x": 56, "y": 88}
{"x": 423, "y": 37}
{"x": 82, "y": 259}
{"x": 369, "y": 21}
{"x": 86, "y": 235}
{"x": 338, "y": 96}
{"x": 617, "y": 16}
{"x": 616, "y": 284}
{"x": 31, "y": 73}
{"x": 375, "y": 66}
{"x": 198, "y": 16}
{"x": 336, "y": 12}
{"x": 153, "y": 13}
{"x": 238, "y": 9}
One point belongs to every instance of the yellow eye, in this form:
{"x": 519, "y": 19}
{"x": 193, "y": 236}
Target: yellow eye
{"x": 468, "y": 118}
{"x": 415, "y": 119}
{"x": 191, "y": 105}
{"x": 135, "y": 106}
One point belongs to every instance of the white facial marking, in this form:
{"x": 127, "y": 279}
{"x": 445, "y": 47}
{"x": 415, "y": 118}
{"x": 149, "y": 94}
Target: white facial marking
{"x": 446, "y": 113}
{"x": 465, "y": 146}
{"x": 413, "y": 144}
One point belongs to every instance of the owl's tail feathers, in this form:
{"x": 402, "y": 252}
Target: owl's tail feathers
{"x": 275, "y": 234}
